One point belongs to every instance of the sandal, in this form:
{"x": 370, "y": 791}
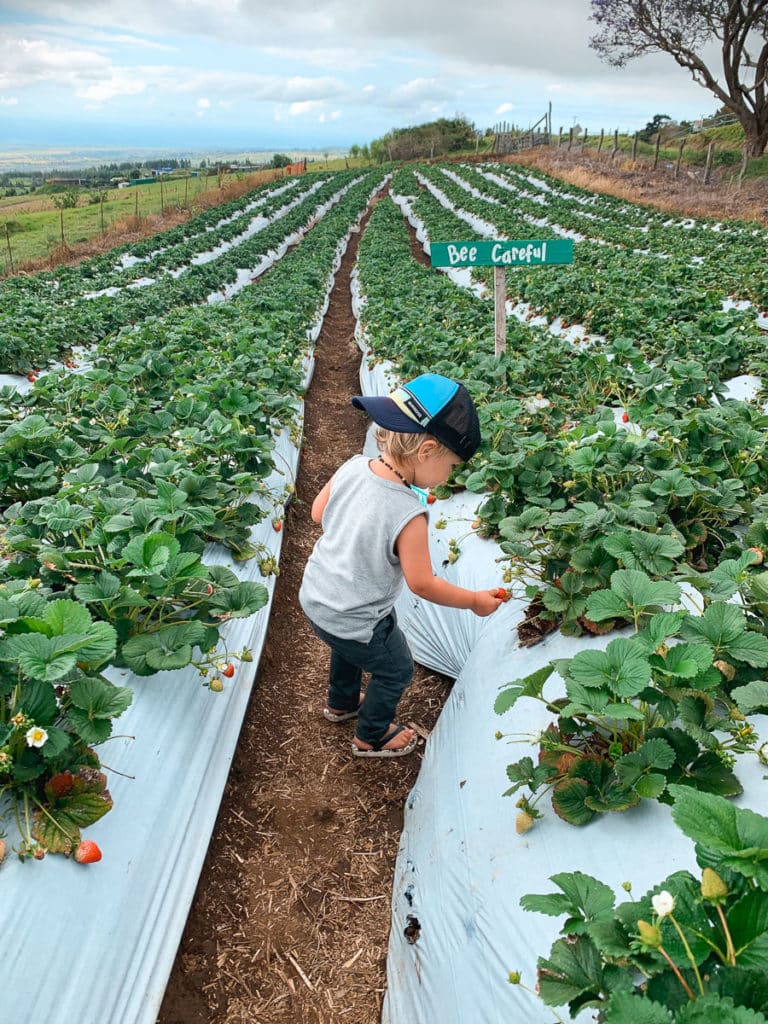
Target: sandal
{"x": 379, "y": 748}
{"x": 341, "y": 716}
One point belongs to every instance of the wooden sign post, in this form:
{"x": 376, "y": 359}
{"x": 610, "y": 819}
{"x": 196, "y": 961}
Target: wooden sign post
{"x": 500, "y": 255}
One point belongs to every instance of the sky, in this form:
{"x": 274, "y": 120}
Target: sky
{"x": 264, "y": 74}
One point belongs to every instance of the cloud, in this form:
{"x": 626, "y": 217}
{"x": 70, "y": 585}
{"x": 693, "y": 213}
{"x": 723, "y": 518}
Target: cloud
{"x": 505, "y": 108}
{"x": 418, "y": 93}
{"x": 304, "y": 107}
{"x": 9, "y": 101}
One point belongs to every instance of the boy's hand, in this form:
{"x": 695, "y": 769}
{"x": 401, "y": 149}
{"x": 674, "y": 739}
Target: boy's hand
{"x": 485, "y": 602}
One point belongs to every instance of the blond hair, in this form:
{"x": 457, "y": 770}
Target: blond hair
{"x": 404, "y": 446}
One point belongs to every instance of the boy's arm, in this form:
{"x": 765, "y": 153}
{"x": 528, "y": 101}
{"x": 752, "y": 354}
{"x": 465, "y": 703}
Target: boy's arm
{"x": 318, "y": 505}
{"x": 413, "y": 551}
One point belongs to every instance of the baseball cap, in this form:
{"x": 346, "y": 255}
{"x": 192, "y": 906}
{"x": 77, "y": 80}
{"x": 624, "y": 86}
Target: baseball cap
{"x": 428, "y": 404}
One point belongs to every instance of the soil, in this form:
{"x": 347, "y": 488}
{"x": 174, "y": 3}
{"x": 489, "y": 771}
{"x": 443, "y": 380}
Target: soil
{"x": 290, "y": 921}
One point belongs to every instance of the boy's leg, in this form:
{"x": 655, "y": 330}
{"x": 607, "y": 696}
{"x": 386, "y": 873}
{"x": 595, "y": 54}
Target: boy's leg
{"x": 344, "y": 676}
{"x": 387, "y": 657}
{"x": 391, "y": 666}
{"x": 344, "y": 681}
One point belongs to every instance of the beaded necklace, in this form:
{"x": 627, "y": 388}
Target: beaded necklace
{"x": 392, "y": 469}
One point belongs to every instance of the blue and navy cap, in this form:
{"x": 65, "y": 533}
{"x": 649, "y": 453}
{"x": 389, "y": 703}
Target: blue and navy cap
{"x": 428, "y": 404}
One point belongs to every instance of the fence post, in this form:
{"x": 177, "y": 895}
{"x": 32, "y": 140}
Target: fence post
{"x": 162, "y": 200}
{"x": 102, "y": 213}
{"x": 656, "y": 154}
{"x": 570, "y": 138}
{"x": 61, "y": 220}
{"x": 559, "y": 136}
{"x": 634, "y": 147}
{"x": 186, "y": 190}
{"x": 708, "y": 166}
{"x": 8, "y": 243}
{"x": 744, "y": 165}
{"x": 615, "y": 143}
{"x": 584, "y": 140}
{"x": 136, "y": 204}
{"x": 600, "y": 143}
{"x": 679, "y": 157}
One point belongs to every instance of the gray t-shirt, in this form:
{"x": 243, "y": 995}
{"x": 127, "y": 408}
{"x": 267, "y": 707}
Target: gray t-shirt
{"x": 353, "y": 575}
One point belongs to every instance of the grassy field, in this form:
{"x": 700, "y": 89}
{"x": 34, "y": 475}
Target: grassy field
{"x": 32, "y": 226}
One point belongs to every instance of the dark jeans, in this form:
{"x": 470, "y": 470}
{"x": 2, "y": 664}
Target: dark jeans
{"x": 387, "y": 658}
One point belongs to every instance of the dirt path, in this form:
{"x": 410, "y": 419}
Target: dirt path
{"x": 290, "y": 921}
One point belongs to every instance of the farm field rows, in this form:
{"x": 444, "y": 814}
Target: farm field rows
{"x": 622, "y": 473}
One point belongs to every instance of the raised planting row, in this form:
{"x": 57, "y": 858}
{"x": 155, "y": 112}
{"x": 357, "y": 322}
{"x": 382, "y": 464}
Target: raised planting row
{"x": 35, "y": 329}
{"x": 66, "y": 282}
{"x": 603, "y": 524}
{"x": 113, "y": 482}
{"x": 621, "y": 295}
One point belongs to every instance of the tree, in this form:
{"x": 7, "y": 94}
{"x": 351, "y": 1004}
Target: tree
{"x": 683, "y": 29}
{"x": 280, "y": 160}
{"x": 354, "y": 151}
{"x": 656, "y": 123}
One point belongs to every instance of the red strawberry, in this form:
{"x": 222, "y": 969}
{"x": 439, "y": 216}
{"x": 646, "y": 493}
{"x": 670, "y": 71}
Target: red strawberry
{"x": 228, "y": 670}
{"x": 87, "y": 852}
{"x": 2, "y": 850}
{"x": 208, "y": 589}
{"x": 625, "y": 417}
{"x": 277, "y": 525}
{"x": 502, "y": 594}
{"x": 31, "y": 377}
{"x": 431, "y": 499}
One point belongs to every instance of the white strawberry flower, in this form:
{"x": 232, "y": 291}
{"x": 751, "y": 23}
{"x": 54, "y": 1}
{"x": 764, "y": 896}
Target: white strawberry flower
{"x": 663, "y": 903}
{"x": 535, "y": 403}
{"x": 36, "y": 736}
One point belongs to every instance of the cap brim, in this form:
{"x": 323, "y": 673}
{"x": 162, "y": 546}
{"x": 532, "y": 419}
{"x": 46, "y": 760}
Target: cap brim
{"x": 383, "y": 411}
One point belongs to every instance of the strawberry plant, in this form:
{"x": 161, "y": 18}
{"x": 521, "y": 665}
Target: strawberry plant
{"x": 651, "y": 710}
{"x": 693, "y": 948}
{"x": 55, "y": 707}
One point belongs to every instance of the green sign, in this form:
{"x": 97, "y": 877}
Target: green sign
{"x": 501, "y": 253}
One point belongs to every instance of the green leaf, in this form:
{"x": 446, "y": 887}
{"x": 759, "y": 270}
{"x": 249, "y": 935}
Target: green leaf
{"x": 38, "y": 700}
{"x": 57, "y": 743}
{"x": 653, "y": 753}
{"x": 169, "y": 648}
{"x": 621, "y": 668}
{"x": 748, "y": 925}
{"x": 572, "y": 972}
{"x": 713, "y": 1009}
{"x": 150, "y": 552}
{"x": 752, "y": 697}
{"x": 629, "y": 1008}
{"x": 239, "y": 601}
{"x": 606, "y": 604}
{"x": 104, "y": 587}
{"x": 583, "y": 897}
{"x": 67, "y": 617}
{"x": 99, "y": 697}
{"x": 39, "y": 657}
{"x": 568, "y": 798}
{"x": 529, "y": 686}
{"x": 738, "y": 834}
{"x": 685, "y": 661}
{"x": 725, "y": 627}
{"x": 651, "y": 786}
{"x": 70, "y": 815}
{"x": 640, "y": 592}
